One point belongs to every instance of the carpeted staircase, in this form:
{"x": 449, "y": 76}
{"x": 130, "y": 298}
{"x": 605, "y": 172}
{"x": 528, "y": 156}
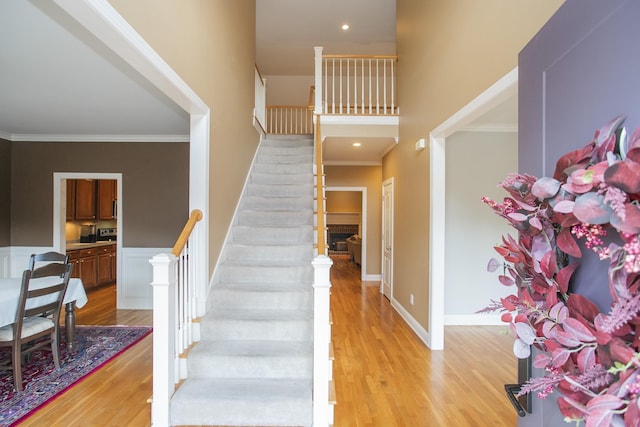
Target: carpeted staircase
{"x": 254, "y": 363}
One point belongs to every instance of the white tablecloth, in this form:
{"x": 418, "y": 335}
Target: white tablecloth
{"x": 10, "y": 293}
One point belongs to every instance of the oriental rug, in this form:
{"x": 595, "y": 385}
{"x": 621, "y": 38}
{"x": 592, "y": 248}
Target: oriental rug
{"x": 94, "y": 346}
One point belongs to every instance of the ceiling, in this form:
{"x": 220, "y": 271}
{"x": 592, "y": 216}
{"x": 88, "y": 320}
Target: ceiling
{"x": 58, "y": 83}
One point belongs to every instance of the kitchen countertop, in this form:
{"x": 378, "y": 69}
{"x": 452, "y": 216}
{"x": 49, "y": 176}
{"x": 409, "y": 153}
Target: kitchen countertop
{"x": 71, "y": 246}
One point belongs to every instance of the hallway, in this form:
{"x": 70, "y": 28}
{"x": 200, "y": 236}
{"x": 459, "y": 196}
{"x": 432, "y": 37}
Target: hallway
{"x": 385, "y": 376}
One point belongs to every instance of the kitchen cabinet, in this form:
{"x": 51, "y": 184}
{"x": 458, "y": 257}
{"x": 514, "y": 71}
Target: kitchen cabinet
{"x": 71, "y": 199}
{"x": 106, "y": 208}
{"x": 91, "y": 199}
{"x": 85, "y": 209}
{"x": 85, "y": 266}
{"x": 107, "y": 256}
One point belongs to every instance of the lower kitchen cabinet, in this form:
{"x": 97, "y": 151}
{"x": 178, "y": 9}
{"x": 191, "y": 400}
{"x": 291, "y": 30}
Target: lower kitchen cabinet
{"x": 106, "y": 264}
{"x": 94, "y": 266}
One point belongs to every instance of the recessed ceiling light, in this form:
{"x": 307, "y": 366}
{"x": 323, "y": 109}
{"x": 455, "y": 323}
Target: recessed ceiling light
{"x": 345, "y": 27}
{"x": 356, "y": 144}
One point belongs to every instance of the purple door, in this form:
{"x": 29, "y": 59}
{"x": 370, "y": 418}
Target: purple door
{"x": 580, "y": 71}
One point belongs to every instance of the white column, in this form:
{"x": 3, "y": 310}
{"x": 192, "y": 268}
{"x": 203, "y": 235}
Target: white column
{"x": 318, "y": 79}
{"x": 164, "y": 286}
{"x": 321, "y": 327}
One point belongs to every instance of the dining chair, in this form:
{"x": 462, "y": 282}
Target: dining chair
{"x": 42, "y": 291}
{"x": 47, "y": 257}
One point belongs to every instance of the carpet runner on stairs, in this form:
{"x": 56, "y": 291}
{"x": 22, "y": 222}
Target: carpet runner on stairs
{"x": 254, "y": 363}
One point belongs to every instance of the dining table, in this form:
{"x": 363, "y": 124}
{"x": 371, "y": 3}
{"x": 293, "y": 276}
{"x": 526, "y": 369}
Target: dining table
{"x": 75, "y": 296}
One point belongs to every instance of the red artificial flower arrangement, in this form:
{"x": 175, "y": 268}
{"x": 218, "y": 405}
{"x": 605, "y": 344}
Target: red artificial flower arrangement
{"x": 591, "y": 358}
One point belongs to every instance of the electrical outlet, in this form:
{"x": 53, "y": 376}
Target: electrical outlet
{"x": 411, "y": 299}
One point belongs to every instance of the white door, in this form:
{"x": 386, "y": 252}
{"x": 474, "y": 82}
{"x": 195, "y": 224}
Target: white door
{"x": 387, "y": 238}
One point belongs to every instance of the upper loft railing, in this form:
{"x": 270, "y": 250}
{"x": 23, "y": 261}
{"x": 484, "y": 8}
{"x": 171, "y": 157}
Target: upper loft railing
{"x": 289, "y": 119}
{"x": 355, "y": 84}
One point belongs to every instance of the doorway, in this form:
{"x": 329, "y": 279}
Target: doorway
{"x": 386, "y": 286}
{"x": 494, "y": 96}
{"x": 60, "y": 212}
{"x": 362, "y": 221}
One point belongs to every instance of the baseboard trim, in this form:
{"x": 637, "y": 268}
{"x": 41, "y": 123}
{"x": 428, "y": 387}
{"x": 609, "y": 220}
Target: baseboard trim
{"x": 422, "y": 333}
{"x": 473, "y": 320}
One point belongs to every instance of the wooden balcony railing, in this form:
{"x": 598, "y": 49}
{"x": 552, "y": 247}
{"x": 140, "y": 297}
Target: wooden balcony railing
{"x": 355, "y": 84}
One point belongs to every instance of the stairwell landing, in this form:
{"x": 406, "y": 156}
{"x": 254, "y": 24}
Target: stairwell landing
{"x": 254, "y": 363}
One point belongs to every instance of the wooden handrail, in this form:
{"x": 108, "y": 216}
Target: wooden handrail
{"x": 320, "y": 189}
{"x": 361, "y": 57}
{"x": 196, "y": 215}
{"x": 301, "y": 107}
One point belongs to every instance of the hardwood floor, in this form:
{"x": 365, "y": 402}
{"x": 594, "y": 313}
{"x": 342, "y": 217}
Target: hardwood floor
{"x": 384, "y": 375}
{"x": 115, "y": 395}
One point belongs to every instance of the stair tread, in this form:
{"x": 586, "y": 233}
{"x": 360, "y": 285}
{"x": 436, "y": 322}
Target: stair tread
{"x": 254, "y": 348}
{"x": 259, "y": 314}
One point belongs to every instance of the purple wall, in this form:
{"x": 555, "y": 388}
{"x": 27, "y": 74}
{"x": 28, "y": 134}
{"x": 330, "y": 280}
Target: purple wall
{"x": 580, "y": 71}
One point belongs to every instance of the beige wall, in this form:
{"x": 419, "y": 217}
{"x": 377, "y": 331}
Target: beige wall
{"x": 211, "y": 45}
{"x": 344, "y": 201}
{"x": 369, "y": 177}
{"x": 449, "y": 52}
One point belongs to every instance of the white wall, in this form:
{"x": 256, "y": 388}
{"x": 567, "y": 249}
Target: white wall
{"x": 476, "y": 162}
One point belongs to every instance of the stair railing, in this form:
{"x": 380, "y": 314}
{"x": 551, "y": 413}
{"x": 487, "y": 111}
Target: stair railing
{"x": 175, "y": 326}
{"x": 322, "y": 409}
{"x": 289, "y": 119}
{"x": 355, "y": 84}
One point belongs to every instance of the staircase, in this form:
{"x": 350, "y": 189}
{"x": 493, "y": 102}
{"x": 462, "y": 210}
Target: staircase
{"x": 254, "y": 363}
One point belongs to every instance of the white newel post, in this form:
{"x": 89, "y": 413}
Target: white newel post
{"x": 164, "y": 369}
{"x": 318, "y": 81}
{"x": 321, "y": 327}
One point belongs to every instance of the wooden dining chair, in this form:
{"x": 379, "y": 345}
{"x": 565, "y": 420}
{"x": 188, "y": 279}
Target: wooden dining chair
{"x": 47, "y": 257}
{"x": 42, "y": 291}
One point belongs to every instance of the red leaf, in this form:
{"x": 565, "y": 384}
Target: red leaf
{"x": 506, "y": 280}
{"x": 568, "y": 244}
{"x": 516, "y": 216}
{"x": 631, "y": 222}
{"x": 548, "y": 264}
{"x": 624, "y": 175}
{"x": 506, "y": 317}
{"x": 600, "y": 410}
{"x": 570, "y": 409}
{"x": 541, "y": 360}
{"x": 620, "y": 351}
{"x": 590, "y": 208}
{"x": 565, "y": 339}
{"x": 560, "y": 357}
{"x": 564, "y": 275}
{"x": 564, "y": 206}
{"x": 578, "y": 330}
{"x": 579, "y": 305}
{"x": 580, "y": 156}
{"x": 508, "y": 302}
{"x": 586, "y": 358}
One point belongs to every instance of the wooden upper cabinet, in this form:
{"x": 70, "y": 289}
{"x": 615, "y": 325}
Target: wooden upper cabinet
{"x": 85, "y": 200}
{"x": 71, "y": 199}
{"x": 106, "y": 198}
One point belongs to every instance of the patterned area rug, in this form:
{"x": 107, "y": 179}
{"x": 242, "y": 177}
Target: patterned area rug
{"x": 94, "y": 346}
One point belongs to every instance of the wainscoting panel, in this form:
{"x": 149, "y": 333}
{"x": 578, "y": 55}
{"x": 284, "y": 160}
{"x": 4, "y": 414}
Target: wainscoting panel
{"x": 134, "y": 277}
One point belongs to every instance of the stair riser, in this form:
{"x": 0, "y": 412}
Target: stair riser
{"x": 233, "y": 273}
{"x": 280, "y": 190}
{"x": 287, "y": 151}
{"x": 277, "y": 203}
{"x": 266, "y": 235}
{"x": 269, "y": 253}
{"x": 302, "y": 168}
{"x": 240, "y": 299}
{"x": 218, "y": 366}
{"x": 270, "y": 178}
{"x": 261, "y": 218}
{"x": 265, "y": 330}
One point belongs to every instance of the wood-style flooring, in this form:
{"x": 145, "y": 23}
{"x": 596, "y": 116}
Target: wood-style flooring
{"x": 384, "y": 375}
